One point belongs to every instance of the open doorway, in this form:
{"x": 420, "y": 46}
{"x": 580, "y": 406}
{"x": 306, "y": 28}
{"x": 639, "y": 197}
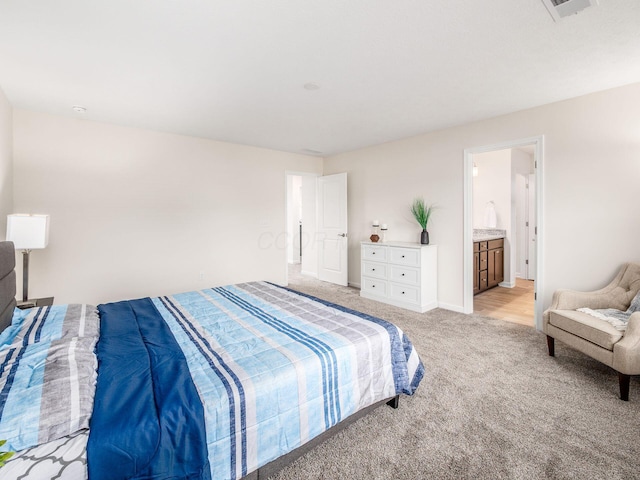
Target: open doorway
{"x": 301, "y": 225}
{"x": 316, "y": 227}
{"x": 502, "y": 231}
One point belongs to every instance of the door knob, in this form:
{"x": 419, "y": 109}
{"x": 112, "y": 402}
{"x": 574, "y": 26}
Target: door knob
{"x": 342, "y": 234}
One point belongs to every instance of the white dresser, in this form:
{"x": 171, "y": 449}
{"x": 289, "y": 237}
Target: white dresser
{"x": 400, "y": 274}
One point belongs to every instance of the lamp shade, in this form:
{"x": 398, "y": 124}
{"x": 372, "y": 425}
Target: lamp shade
{"x": 28, "y": 232}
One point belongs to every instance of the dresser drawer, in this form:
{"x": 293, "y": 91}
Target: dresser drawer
{"x": 373, "y": 269}
{"x": 405, "y": 256}
{"x": 484, "y": 260}
{"x": 407, "y": 275}
{"x": 405, "y": 293}
{"x": 372, "y": 252}
{"x": 499, "y": 243}
{"x": 374, "y": 286}
{"x": 484, "y": 280}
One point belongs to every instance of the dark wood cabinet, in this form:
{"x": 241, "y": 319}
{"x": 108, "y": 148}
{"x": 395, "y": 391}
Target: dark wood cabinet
{"x": 495, "y": 268}
{"x": 476, "y": 267}
{"x": 488, "y": 264}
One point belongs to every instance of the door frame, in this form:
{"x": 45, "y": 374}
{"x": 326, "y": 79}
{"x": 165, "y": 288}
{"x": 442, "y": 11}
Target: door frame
{"x": 521, "y": 229}
{"x": 531, "y": 252}
{"x": 538, "y": 156}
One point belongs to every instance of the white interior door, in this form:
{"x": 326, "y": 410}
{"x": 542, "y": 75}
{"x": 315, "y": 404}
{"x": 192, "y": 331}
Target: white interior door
{"x": 332, "y": 229}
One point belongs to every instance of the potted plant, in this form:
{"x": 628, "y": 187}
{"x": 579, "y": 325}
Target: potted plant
{"x": 422, "y": 212}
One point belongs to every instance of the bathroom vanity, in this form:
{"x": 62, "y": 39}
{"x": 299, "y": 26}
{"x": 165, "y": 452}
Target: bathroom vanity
{"x": 488, "y": 259}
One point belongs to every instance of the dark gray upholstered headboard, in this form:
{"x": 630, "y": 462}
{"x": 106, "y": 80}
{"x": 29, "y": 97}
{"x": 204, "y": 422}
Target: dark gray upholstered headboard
{"x": 7, "y": 283}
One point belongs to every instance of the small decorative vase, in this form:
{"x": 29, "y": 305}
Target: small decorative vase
{"x": 375, "y": 237}
{"x": 424, "y": 237}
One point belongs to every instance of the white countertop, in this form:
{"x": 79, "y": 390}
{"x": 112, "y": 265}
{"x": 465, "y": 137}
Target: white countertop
{"x": 483, "y": 235}
{"x": 485, "y": 238}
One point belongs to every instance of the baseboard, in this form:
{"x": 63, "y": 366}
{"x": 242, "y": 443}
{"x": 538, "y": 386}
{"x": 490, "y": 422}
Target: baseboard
{"x": 355, "y": 285}
{"x": 309, "y": 274}
{"x": 453, "y": 308}
{"x": 419, "y": 308}
{"x": 507, "y": 284}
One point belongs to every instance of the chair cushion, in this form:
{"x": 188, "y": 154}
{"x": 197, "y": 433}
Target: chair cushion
{"x": 586, "y": 326}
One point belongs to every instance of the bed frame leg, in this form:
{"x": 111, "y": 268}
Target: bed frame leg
{"x": 394, "y": 402}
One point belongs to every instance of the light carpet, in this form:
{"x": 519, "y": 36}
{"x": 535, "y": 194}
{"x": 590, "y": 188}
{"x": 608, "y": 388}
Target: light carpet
{"x": 492, "y": 405}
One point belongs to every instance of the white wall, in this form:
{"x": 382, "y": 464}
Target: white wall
{"x": 137, "y": 213}
{"x": 493, "y": 184}
{"x": 6, "y": 163}
{"x": 591, "y": 178}
{"x": 521, "y": 162}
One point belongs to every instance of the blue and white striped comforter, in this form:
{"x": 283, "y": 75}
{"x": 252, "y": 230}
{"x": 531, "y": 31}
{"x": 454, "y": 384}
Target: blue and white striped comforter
{"x": 271, "y": 369}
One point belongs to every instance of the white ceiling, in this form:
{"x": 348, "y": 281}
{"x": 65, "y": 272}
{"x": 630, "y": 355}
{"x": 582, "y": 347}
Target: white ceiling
{"x": 235, "y": 70}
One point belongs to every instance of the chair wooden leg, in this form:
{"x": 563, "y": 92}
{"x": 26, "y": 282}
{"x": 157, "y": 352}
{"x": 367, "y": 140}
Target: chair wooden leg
{"x": 551, "y": 345}
{"x": 624, "y": 386}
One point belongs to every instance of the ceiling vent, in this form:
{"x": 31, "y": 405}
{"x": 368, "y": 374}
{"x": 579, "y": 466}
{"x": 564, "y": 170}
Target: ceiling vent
{"x": 563, "y": 8}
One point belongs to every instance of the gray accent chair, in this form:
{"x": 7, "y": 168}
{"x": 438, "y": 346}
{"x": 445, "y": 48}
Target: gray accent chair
{"x": 594, "y": 337}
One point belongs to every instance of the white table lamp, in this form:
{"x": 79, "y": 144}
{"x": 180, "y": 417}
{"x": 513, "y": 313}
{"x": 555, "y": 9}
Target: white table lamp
{"x": 27, "y": 232}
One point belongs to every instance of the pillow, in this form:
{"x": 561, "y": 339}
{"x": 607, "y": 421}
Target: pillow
{"x": 51, "y": 323}
{"x": 9, "y": 333}
{"x": 47, "y": 390}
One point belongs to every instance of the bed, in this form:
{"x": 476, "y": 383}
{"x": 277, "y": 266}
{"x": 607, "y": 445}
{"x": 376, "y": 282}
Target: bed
{"x": 228, "y": 382}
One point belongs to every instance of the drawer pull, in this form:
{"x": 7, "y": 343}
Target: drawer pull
{"x": 373, "y": 269}
{"x": 402, "y": 256}
{"x": 403, "y": 293}
{"x": 373, "y": 286}
{"x": 373, "y": 253}
{"x": 403, "y": 274}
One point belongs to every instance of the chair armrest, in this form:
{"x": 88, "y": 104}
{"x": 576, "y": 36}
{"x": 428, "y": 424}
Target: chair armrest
{"x": 626, "y": 353}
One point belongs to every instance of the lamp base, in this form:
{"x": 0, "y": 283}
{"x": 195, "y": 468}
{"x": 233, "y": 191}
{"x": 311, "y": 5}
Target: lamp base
{"x": 25, "y": 274}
